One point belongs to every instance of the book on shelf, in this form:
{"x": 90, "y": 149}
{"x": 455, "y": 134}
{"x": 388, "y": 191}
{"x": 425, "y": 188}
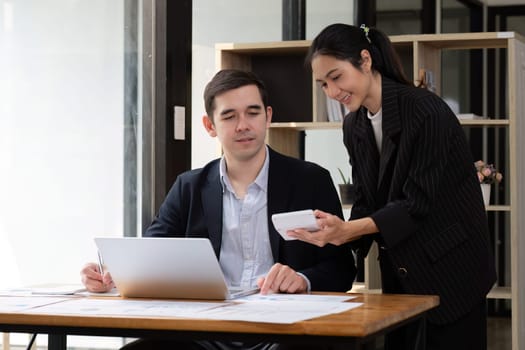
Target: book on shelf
{"x": 327, "y": 109}
{"x": 336, "y": 110}
{"x": 426, "y": 79}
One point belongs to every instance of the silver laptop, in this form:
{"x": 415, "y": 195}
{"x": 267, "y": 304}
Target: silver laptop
{"x": 166, "y": 268}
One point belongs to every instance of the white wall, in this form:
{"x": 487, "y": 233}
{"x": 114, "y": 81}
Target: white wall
{"x": 256, "y": 21}
{"x": 223, "y": 21}
{"x": 325, "y": 147}
{"x": 61, "y": 135}
{"x": 320, "y": 13}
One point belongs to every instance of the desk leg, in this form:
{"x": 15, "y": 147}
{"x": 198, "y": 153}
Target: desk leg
{"x": 57, "y": 342}
{"x": 6, "y": 342}
{"x": 421, "y": 339}
{"x": 371, "y": 345}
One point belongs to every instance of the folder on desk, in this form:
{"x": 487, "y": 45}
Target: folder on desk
{"x": 57, "y": 289}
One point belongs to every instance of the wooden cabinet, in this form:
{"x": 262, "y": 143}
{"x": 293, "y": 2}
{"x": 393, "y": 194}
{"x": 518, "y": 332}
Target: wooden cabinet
{"x": 299, "y": 104}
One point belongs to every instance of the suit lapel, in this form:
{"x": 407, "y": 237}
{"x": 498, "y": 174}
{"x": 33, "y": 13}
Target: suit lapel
{"x": 277, "y": 195}
{"x": 211, "y": 195}
{"x": 391, "y": 125}
{"x": 366, "y": 150}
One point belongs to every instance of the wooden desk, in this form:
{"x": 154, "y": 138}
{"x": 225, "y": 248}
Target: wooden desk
{"x": 358, "y": 327}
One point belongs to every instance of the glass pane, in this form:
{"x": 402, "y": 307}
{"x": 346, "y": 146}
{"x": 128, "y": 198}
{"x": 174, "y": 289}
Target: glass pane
{"x": 455, "y": 17}
{"x": 455, "y": 67}
{"x": 516, "y": 24}
{"x": 62, "y": 128}
{"x": 455, "y": 80}
{"x": 399, "y": 17}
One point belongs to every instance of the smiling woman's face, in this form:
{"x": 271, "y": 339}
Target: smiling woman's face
{"x": 341, "y": 81}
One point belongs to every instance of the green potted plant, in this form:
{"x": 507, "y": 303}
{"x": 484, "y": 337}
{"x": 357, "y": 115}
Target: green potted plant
{"x": 346, "y": 189}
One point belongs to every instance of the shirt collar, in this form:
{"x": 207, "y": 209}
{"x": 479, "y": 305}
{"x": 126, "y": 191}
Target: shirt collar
{"x": 374, "y": 116}
{"x": 261, "y": 180}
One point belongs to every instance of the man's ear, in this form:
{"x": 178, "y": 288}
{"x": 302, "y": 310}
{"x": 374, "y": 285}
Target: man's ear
{"x": 269, "y": 113}
{"x": 208, "y": 125}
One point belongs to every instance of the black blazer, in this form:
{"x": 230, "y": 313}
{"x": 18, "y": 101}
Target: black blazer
{"x": 193, "y": 208}
{"x": 423, "y": 194}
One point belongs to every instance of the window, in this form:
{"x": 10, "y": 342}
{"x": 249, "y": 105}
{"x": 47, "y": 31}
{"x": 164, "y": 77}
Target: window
{"x": 65, "y": 138}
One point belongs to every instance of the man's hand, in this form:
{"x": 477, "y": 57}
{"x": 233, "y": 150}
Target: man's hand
{"x": 94, "y": 281}
{"x": 282, "y": 279}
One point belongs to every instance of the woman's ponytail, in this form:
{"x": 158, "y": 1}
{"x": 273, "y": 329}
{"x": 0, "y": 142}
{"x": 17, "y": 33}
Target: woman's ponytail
{"x": 345, "y": 42}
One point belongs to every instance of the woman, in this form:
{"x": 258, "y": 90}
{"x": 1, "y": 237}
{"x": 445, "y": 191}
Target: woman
{"x": 417, "y": 194}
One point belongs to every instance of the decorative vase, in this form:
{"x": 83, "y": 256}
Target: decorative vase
{"x": 347, "y": 193}
{"x": 485, "y": 191}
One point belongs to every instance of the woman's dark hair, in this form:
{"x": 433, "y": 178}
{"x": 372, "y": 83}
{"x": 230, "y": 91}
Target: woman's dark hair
{"x": 345, "y": 42}
{"x": 229, "y": 79}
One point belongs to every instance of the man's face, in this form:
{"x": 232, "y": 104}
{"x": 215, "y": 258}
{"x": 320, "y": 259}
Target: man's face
{"x": 240, "y": 122}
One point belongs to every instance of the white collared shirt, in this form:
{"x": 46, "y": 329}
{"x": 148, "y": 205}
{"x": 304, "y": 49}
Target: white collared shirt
{"x": 377, "y": 121}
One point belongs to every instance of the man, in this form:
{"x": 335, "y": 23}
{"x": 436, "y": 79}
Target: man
{"x": 231, "y": 201}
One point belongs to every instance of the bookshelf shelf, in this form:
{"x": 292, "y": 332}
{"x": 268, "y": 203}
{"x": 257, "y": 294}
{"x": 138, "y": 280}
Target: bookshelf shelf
{"x": 308, "y": 125}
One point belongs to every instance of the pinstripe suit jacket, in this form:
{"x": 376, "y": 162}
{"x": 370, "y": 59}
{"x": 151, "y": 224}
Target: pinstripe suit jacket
{"x": 193, "y": 208}
{"x": 424, "y": 196}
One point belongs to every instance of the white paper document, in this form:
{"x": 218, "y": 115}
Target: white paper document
{"x": 123, "y": 307}
{"x": 112, "y": 293}
{"x": 24, "y": 303}
{"x": 276, "y": 311}
{"x": 44, "y": 289}
{"x": 271, "y": 308}
{"x": 57, "y": 289}
{"x": 317, "y": 298}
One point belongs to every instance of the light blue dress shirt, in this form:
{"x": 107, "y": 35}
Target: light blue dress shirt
{"x": 245, "y": 230}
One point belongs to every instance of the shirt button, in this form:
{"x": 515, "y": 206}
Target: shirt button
{"x": 402, "y": 272}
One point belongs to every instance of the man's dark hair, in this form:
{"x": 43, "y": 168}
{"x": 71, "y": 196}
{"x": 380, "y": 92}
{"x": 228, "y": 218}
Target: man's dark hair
{"x": 229, "y": 79}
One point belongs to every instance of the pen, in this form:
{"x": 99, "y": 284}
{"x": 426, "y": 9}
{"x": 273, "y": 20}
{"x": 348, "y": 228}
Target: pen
{"x": 100, "y": 266}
